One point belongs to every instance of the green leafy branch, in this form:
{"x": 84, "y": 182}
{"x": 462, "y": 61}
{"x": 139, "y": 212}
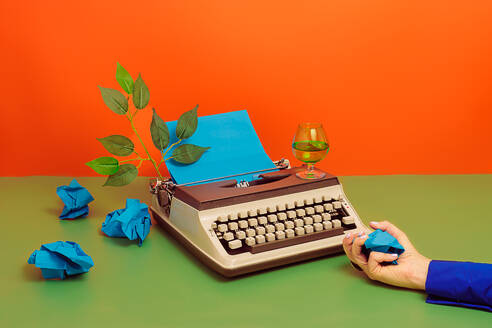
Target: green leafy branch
{"x": 121, "y": 172}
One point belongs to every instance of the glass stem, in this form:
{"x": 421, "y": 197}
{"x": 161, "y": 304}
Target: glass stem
{"x": 310, "y": 168}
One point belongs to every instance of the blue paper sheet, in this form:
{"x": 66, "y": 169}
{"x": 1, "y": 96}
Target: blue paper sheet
{"x": 382, "y": 241}
{"x": 235, "y": 149}
{"x": 75, "y": 197}
{"x": 60, "y": 259}
{"x": 132, "y": 222}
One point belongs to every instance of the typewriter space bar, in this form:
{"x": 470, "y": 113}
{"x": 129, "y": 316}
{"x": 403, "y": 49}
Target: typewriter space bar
{"x": 258, "y": 248}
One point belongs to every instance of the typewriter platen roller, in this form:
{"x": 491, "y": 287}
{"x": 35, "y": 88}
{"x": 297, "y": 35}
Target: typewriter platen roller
{"x": 275, "y": 220}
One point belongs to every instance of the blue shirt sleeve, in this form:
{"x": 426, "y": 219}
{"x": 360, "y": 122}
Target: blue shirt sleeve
{"x": 465, "y": 284}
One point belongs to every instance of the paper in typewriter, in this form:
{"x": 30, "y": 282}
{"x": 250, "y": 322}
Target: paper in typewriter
{"x": 235, "y": 149}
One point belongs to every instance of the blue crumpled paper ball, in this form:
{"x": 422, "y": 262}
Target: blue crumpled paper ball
{"x": 61, "y": 259}
{"x": 132, "y": 222}
{"x": 75, "y": 197}
{"x": 382, "y": 241}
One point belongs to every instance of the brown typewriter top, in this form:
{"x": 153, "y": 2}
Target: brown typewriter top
{"x": 224, "y": 193}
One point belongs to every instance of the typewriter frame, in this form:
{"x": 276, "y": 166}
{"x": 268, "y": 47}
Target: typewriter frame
{"x": 164, "y": 199}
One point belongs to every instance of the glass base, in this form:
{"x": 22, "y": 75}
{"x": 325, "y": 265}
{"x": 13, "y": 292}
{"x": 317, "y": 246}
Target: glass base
{"x": 311, "y": 174}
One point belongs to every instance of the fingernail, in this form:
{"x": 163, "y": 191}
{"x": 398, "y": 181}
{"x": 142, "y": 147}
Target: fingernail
{"x": 363, "y": 237}
{"x": 373, "y": 222}
{"x": 360, "y": 234}
{"x": 394, "y": 255}
{"x": 348, "y": 235}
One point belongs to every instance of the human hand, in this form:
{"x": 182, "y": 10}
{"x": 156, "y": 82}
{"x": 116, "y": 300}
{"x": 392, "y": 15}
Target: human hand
{"x": 412, "y": 267}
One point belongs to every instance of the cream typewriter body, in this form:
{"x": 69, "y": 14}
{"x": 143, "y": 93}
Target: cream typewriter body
{"x": 276, "y": 220}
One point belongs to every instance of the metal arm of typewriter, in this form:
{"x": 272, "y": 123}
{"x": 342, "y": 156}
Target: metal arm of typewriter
{"x": 164, "y": 189}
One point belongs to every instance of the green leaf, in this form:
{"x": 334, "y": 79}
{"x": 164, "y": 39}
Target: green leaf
{"x": 115, "y": 100}
{"x": 124, "y": 79}
{"x": 126, "y": 174}
{"x": 104, "y": 165}
{"x": 141, "y": 93}
{"x": 159, "y": 132}
{"x": 187, "y": 124}
{"x": 188, "y": 153}
{"x": 117, "y": 145}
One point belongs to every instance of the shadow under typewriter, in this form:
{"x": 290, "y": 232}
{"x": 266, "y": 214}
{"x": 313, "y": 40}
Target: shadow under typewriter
{"x": 276, "y": 220}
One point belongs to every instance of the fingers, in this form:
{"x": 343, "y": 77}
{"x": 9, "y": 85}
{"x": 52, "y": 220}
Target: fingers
{"x": 394, "y": 231}
{"x": 347, "y": 245}
{"x": 357, "y": 248}
{"x": 374, "y": 263}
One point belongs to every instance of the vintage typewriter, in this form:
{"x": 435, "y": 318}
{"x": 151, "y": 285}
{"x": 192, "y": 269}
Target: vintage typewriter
{"x": 240, "y": 227}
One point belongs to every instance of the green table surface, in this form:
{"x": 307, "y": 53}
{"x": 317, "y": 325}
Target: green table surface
{"x": 161, "y": 285}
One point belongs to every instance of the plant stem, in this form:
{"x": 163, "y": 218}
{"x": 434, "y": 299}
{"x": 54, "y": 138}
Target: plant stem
{"x": 130, "y": 118}
{"x": 168, "y": 149}
{"x": 135, "y": 159}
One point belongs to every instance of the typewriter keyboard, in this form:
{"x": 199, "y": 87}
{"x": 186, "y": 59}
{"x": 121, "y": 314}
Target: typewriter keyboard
{"x": 282, "y": 225}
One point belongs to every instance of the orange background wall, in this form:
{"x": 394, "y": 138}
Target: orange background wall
{"x": 401, "y": 86}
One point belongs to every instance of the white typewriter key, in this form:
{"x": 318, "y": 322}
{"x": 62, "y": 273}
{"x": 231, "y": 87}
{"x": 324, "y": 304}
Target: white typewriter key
{"x": 299, "y": 231}
{"x": 318, "y": 199}
{"x": 319, "y": 209}
{"x": 281, "y": 207}
{"x": 272, "y": 218}
{"x": 308, "y": 220}
{"x": 318, "y": 227}
{"x": 317, "y": 218}
{"x": 240, "y": 234}
{"x": 300, "y": 212}
{"x": 328, "y": 207}
{"x": 337, "y": 204}
{"x": 252, "y": 212}
{"x": 262, "y": 210}
{"x": 243, "y": 224}
{"x": 233, "y": 225}
{"x": 250, "y": 232}
{"x": 233, "y": 244}
{"x": 250, "y": 241}
{"x": 289, "y": 233}
{"x": 222, "y": 227}
{"x": 252, "y": 222}
{"x": 279, "y": 226}
{"x": 270, "y": 236}
{"x": 309, "y": 228}
{"x": 348, "y": 220}
{"x": 262, "y": 220}
{"x": 270, "y": 228}
{"x": 214, "y": 225}
{"x": 299, "y": 203}
{"x": 280, "y": 235}
{"x": 309, "y": 210}
{"x": 336, "y": 223}
{"x": 327, "y": 225}
{"x": 326, "y": 198}
{"x": 228, "y": 236}
{"x": 260, "y": 239}
{"x": 232, "y": 216}
{"x": 298, "y": 222}
{"x": 272, "y": 209}
{"x": 243, "y": 214}
{"x": 308, "y": 201}
{"x": 282, "y": 216}
{"x": 291, "y": 214}
{"x": 222, "y": 218}
{"x": 326, "y": 216}
{"x": 260, "y": 230}
{"x": 290, "y": 205}
{"x": 289, "y": 224}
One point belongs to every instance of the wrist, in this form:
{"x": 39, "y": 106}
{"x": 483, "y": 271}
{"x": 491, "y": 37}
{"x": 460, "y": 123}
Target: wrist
{"x": 419, "y": 277}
